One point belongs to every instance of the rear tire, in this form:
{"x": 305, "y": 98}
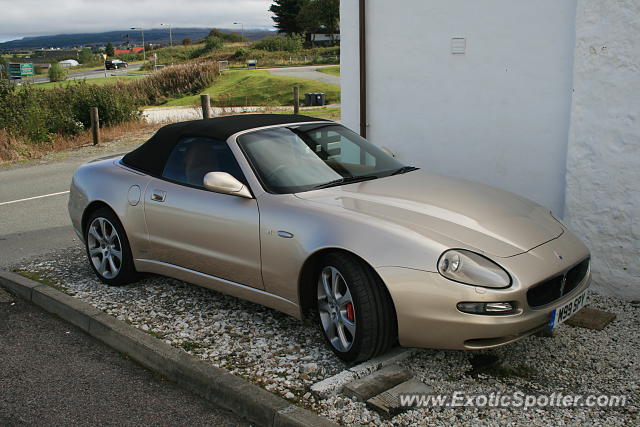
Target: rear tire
{"x": 355, "y": 311}
{"x": 108, "y": 249}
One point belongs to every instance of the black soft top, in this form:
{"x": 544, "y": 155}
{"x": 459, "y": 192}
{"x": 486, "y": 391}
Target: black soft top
{"x": 151, "y": 156}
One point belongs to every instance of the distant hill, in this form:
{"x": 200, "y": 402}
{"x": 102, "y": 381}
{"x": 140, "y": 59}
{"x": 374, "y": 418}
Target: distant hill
{"x": 154, "y": 36}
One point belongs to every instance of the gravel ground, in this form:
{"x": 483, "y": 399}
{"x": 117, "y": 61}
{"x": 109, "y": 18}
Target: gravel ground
{"x": 286, "y": 356}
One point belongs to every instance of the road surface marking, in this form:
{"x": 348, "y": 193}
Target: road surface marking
{"x": 35, "y": 197}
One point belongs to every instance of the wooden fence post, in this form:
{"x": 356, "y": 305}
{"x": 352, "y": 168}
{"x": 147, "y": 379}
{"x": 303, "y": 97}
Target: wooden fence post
{"x": 206, "y": 106}
{"x": 95, "y": 125}
{"x": 296, "y": 99}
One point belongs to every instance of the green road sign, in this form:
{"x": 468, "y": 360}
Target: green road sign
{"x": 26, "y": 69}
{"x": 21, "y": 69}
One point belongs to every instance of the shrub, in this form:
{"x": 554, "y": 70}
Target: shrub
{"x": 239, "y": 54}
{"x": 3, "y": 69}
{"x": 213, "y": 43}
{"x": 37, "y": 114}
{"x": 170, "y": 82}
{"x": 22, "y": 112}
{"x": 86, "y": 56}
{"x": 115, "y": 105}
{"x": 57, "y": 73}
{"x": 292, "y": 43}
{"x": 233, "y": 38}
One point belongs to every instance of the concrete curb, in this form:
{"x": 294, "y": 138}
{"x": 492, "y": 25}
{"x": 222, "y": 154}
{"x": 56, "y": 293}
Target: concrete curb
{"x": 213, "y": 384}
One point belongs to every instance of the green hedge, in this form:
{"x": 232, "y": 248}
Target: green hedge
{"x": 35, "y": 114}
{"x": 292, "y": 43}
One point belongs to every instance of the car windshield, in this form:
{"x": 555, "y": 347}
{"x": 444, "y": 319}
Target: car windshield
{"x": 294, "y": 159}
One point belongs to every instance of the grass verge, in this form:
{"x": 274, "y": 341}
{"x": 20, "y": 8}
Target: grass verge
{"x": 257, "y": 87}
{"x": 40, "y": 278}
{"x": 96, "y": 81}
{"x": 333, "y": 71}
{"x": 13, "y": 149}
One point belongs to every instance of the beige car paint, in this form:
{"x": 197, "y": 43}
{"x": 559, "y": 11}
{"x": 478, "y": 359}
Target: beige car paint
{"x": 256, "y": 248}
{"x": 212, "y": 233}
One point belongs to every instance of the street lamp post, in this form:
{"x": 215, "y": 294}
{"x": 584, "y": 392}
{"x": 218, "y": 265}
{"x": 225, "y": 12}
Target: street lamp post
{"x": 170, "y": 36}
{"x": 242, "y": 29}
{"x": 144, "y": 50}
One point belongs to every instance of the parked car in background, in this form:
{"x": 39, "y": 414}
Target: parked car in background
{"x": 305, "y": 216}
{"x": 114, "y": 64}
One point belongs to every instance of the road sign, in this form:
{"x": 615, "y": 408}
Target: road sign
{"x": 20, "y": 70}
{"x": 26, "y": 69}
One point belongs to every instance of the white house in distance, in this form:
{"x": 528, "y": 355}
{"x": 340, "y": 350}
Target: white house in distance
{"x": 69, "y": 63}
{"x": 541, "y": 98}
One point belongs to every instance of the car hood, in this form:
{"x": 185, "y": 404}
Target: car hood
{"x": 488, "y": 219}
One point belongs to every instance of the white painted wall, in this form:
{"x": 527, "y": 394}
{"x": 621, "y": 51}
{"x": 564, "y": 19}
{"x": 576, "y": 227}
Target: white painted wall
{"x": 603, "y": 167}
{"x": 349, "y": 69}
{"x": 498, "y": 114}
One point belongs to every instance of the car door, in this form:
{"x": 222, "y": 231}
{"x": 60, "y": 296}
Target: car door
{"x": 191, "y": 227}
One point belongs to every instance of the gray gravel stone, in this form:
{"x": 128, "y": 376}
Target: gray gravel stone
{"x": 276, "y": 352}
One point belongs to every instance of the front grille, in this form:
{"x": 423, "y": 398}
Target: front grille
{"x": 552, "y": 289}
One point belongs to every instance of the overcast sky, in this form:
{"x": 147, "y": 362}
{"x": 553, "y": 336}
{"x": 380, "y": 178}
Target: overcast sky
{"x": 21, "y": 18}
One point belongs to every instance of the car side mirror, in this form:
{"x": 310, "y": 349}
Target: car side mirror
{"x": 222, "y": 182}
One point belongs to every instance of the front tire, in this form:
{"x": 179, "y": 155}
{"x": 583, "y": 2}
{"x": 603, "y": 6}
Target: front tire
{"x": 108, "y": 249}
{"x": 354, "y": 309}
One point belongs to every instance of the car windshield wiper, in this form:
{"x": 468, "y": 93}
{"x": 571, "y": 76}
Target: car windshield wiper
{"x": 404, "y": 169}
{"x": 345, "y": 180}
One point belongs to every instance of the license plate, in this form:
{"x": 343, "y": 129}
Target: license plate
{"x": 560, "y": 314}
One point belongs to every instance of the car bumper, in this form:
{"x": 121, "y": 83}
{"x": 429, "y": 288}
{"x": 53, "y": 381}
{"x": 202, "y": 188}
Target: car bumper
{"x": 426, "y": 302}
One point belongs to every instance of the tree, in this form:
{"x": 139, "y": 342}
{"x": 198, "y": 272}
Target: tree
{"x": 216, "y": 33}
{"x": 186, "y": 41}
{"x": 109, "y": 50}
{"x": 286, "y": 15}
{"x": 318, "y": 14}
{"x": 226, "y": 37}
{"x": 85, "y": 56}
{"x": 57, "y": 73}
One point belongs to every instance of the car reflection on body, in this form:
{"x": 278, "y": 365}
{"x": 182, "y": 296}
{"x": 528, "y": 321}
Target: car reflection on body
{"x": 304, "y": 216}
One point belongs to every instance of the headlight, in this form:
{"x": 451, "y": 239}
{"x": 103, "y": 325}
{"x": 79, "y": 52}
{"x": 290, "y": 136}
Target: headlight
{"x": 471, "y": 268}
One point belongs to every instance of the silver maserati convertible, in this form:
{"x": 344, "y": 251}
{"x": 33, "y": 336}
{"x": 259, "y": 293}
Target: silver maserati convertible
{"x": 305, "y": 216}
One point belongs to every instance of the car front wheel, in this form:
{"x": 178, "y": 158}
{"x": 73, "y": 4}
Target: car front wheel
{"x": 108, "y": 249}
{"x": 354, "y": 308}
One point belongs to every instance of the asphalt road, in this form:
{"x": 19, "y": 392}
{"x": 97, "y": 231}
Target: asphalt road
{"x": 92, "y": 74}
{"x": 31, "y": 227}
{"x": 54, "y": 374}
{"x": 306, "y": 73}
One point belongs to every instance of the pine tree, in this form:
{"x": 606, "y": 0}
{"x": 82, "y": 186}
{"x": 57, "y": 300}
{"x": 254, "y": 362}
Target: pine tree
{"x": 286, "y": 15}
{"x": 109, "y": 49}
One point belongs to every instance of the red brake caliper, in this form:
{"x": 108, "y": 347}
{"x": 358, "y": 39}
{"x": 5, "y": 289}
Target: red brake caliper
{"x": 350, "y": 314}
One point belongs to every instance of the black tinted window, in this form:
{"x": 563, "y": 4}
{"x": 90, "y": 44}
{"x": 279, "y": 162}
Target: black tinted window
{"x": 194, "y": 157}
{"x": 301, "y": 158}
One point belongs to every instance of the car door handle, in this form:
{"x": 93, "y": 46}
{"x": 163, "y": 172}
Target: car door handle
{"x": 158, "y": 195}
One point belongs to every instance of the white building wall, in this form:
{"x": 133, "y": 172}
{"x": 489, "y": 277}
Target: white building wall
{"x": 498, "y": 114}
{"x": 349, "y": 60}
{"x": 603, "y": 167}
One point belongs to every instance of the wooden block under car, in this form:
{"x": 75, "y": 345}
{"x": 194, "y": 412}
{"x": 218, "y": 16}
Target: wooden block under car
{"x": 388, "y": 402}
{"x": 377, "y": 382}
{"x": 591, "y": 318}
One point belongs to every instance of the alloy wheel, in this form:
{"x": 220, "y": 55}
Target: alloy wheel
{"x": 105, "y": 247}
{"x": 336, "y": 309}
